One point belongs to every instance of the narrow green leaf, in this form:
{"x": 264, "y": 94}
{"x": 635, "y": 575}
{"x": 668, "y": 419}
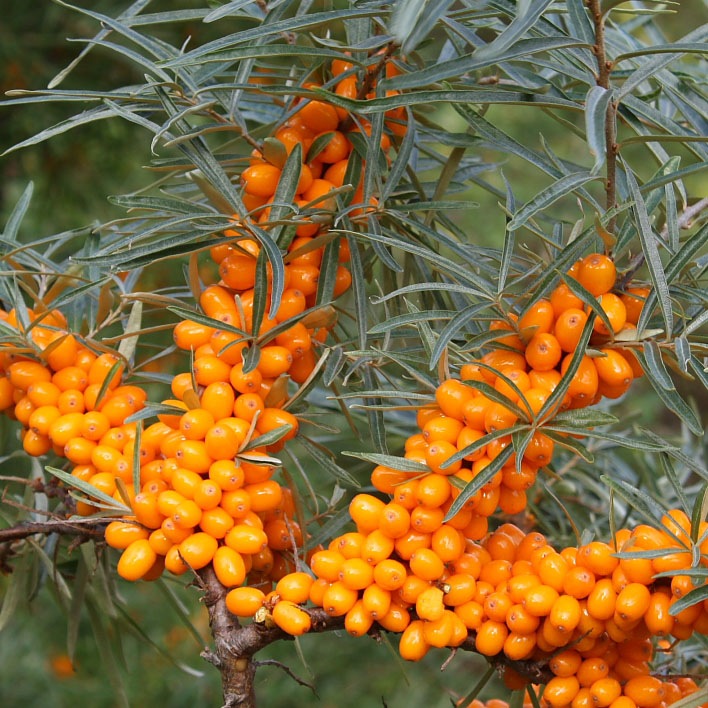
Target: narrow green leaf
{"x": 551, "y": 194}
{"x": 260, "y": 293}
{"x": 89, "y": 490}
{"x": 326, "y": 463}
{"x": 695, "y": 596}
{"x": 525, "y": 17}
{"x": 16, "y": 590}
{"x": 698, "y": 515}
{"x": 272, "y": 436}
{"x": 558, "y": 394}
{"x": 588, "y": 298}
{"x": 18, "y": 213}
{"x": 106, "y": 382}
{"x": 479, "y": 481}
{"x": 136, "y": 456}
{"x": 596, "y": 103}
{"x": 127, "y": 346}
{"x": 400, "y": 464}
{"x": 652, "y": 258}
{"x": 653, "y": 360}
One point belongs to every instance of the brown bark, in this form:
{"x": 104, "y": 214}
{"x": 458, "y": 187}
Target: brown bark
{"x": 68, "y": 528}
{"x": 604, "y": 68}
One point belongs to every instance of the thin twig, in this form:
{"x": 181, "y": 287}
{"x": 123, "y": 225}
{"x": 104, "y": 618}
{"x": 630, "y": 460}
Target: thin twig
{"x": 288, "y": 671}
{"x": 369, "y": 80}
{"x": 66, "y": 528}
{"x": 449, "y": 659}
{"x": 686, "y": 217}
{"x": 685, "y": 221}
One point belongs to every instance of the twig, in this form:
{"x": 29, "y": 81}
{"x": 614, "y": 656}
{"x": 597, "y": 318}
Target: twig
{"x": 685, "y": 221}
{"x": 368, "y": 83}
{"x": 288, "y": 671}
{"x": 449, "y": 659}
{"x": 25, "y": 529}
{"x": 603, "y": 79}
{"x": 686, "y": 217}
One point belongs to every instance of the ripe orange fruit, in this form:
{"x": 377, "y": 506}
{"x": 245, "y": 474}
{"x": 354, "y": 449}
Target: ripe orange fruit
{"x": 597, "y": 273}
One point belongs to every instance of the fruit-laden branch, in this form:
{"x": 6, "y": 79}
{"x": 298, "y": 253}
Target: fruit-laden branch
{"x": 236, "y": 644}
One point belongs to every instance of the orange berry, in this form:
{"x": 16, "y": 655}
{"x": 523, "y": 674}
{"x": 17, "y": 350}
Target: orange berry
{"x": 616, "y": 313}
{"x": 597, "y": 273}
{"x": 244, "y": 602}
{"x": 338, "y": 599}
{"x": 613, "y": 368}
{"x": 451, "y": 396}
{"x": 291, "y": 618}
{"x": 565, "y": 613}
{"x": 426, "y": 564}
{"x": 563, "y": 299}
{"x": 491, "y": 637}
{"x": 412, "y": 645}
{"x": 120, "y": 534}
{"x": 260, "y": 180}
{"x": 246, "y": 539}
{"x": 568, "y": 328}
{"x": 561, "y": 691}
{"x": 543, "y": 352}
{"x": 540, "y": 315}
{"x": 633, "y": 301}
{"x": 136, "y": 560}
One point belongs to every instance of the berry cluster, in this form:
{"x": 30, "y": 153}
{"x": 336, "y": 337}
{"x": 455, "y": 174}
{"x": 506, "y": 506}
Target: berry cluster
{"x": 534, "y": 359}
{"x": 673, "y": 691}
{"x": 206, "y": 489}
{"x": 586, "y": 614}
{"x": 68, "y": 399}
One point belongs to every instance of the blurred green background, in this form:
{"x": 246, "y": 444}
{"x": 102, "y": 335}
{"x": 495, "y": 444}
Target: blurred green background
{"x": 73, "y": 175}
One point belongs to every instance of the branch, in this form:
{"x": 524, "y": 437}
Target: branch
{"x": 685, "y": 221}
{"x": 236, "y": 644}
{"x": 604, "y": 68}
{"x": 369, "y": 80}
{"x": 686, "y": 217}
{"x": 92, "y": 527}
{"x": 288, "y": 671}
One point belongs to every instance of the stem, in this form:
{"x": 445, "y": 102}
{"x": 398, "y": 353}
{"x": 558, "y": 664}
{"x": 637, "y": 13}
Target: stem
{"x": 23, "y": 530}
{"x": 603, "y": 79}
{"x": 369, "y": 80}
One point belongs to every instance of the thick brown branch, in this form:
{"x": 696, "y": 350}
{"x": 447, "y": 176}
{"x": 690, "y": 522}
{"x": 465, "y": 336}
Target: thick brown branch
{"x": 604, "y": 67}
{"x": 235, "y": 646}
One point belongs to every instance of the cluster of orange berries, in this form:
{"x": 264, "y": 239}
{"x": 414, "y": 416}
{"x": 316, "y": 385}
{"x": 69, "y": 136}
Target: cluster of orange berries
{"x": 62, "y": 397}
{"x": 673, "y": 691}
{"x": 207, "y": 493}
{"x": 219, "y": 353}
{"x": 546, "y": 336}
{"x": 203, "y": 499}
{"x": 585, "y": 613}
{"x": 463, "y": 415}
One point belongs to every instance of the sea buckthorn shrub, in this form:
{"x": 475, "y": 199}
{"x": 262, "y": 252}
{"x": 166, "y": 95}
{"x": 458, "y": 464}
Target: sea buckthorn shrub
{"x": 470, "y": 381}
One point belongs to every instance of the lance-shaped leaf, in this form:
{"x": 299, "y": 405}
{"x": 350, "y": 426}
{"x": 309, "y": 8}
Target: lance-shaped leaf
{"x": 651, "y": 256}
{"x": 550, "y": 195}
{"x": 484, "y": 477}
